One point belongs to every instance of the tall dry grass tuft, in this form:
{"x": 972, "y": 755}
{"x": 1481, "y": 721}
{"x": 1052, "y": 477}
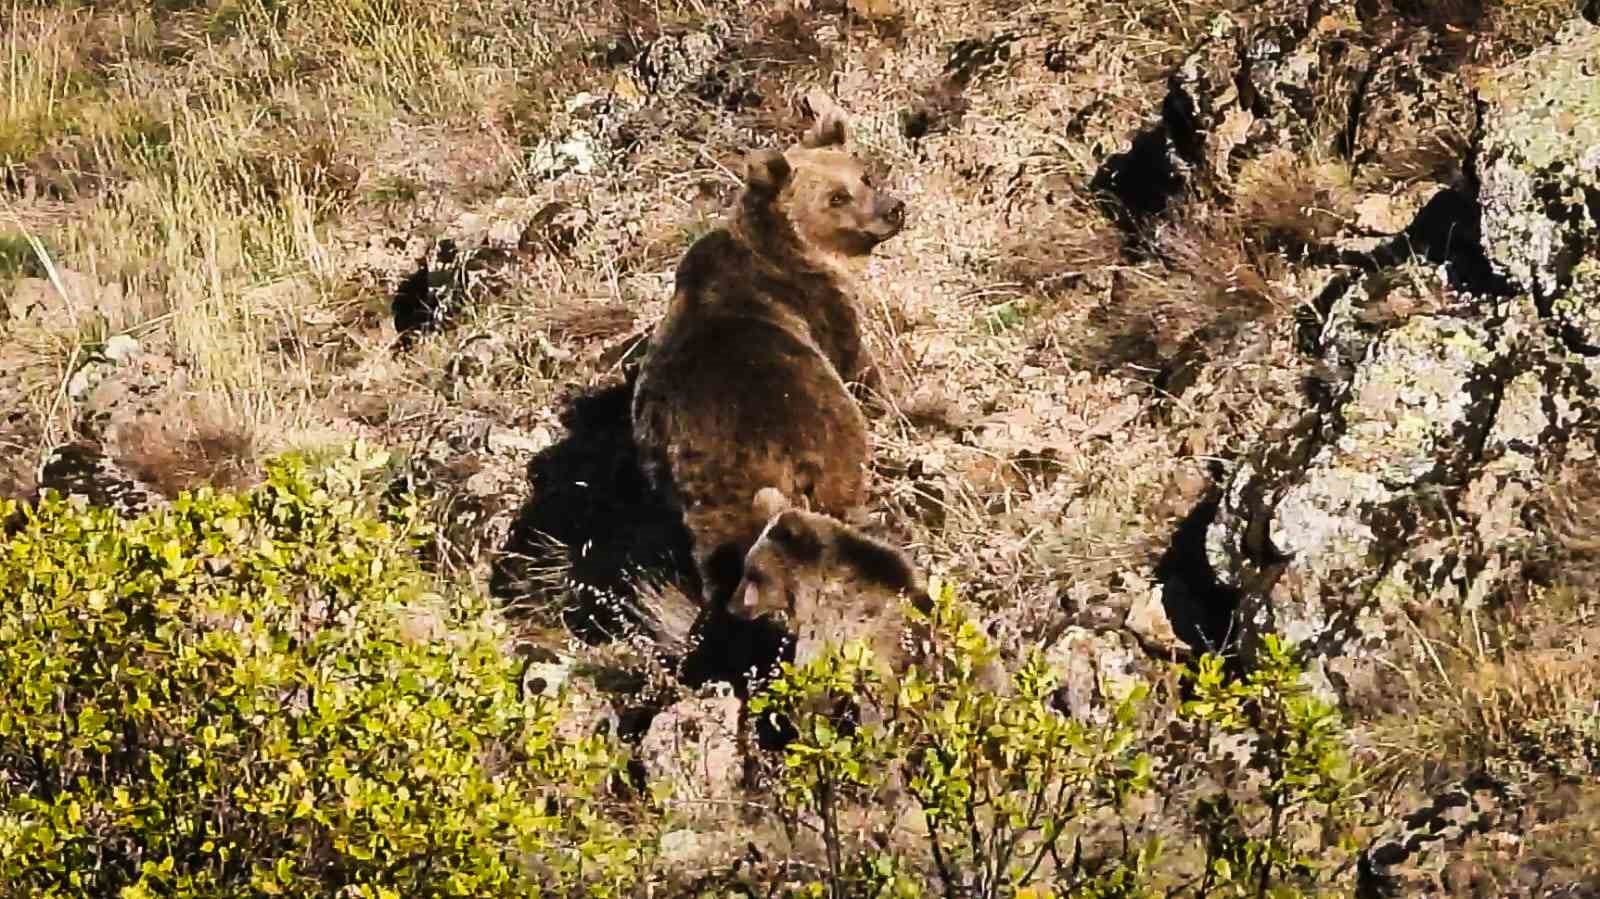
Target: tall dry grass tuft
{"x": 1209, "y": 274}
{"x": 1288, "y": 201}
{"x": 189, "y": 448}
{"x": 1516, "y": 682}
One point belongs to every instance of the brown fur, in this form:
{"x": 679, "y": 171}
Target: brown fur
{"x": 744, "y": 381}
{"x": 825, "y": 582}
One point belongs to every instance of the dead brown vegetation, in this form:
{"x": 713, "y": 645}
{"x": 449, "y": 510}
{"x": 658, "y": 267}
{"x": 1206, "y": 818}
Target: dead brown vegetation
{"x": 182, "y": 452}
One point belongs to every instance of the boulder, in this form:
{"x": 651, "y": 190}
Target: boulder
{"x": 1538, "y": 166}
{"x": 1448, "y": 400}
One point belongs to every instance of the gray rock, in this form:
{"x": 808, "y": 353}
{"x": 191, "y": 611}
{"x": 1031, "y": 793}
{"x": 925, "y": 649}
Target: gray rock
{"x": 1094, "y": 671}
{"x": 1408, "y": 491}
{"x": 672, "y": 64}
{"x": 1539, "y": 169}
{"x": 576, "y": 151}
{"x": 1406, "y": 488}
{"x": 693, "y": 748}
{"x": 119, "y": 348}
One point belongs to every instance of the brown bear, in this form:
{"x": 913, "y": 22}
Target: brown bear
{"x": 744, "y": 381}
{"x": 824, "y": 581}
{"x": 808, "y": 577}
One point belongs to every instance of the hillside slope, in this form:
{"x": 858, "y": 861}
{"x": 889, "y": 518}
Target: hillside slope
{"x": 1210, "y": 321}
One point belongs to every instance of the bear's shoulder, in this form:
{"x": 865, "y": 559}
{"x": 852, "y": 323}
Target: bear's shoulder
{"x": 712, "y": 257}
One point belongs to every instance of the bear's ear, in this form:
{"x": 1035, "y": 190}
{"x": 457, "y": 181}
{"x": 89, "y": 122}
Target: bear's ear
{"x": 829, "y": 128}
{"x": 769, "y": 501}
{"x": 766, "y": 172}
{"x": 829, "y": 131}
{"x": 879, "y": 563}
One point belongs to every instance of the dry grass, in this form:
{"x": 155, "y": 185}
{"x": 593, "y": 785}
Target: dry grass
{"x": 268, "y": 116}
{"x": 1288, "y": 199}
{"x": 1515, "y": 690}
{"x": 189, "y": 448}
{"x": 1528, "y": 713}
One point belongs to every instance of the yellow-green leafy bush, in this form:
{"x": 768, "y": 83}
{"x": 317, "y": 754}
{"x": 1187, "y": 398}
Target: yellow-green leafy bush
{"x": 231, "y": 697}
{"x": 1008, "y": 797}
{"x": 1292, "y": 834}
{"x": 1004, "y": 785}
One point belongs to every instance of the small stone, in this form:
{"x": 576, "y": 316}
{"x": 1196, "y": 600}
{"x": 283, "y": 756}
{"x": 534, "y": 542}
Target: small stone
{"x": 678, "y": 845}
{"x": 1147, "y": 618}
{"x": 693, "y": 747}
{"x": 82, "y": 381}
{"x": 510, "y": 442}
{"x": 120, "y": 348}
{"x": 576, "y": 152}
{"x": 579, "y": 101}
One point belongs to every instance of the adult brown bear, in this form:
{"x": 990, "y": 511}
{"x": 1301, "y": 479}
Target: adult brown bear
{"x": 743, "y": 386}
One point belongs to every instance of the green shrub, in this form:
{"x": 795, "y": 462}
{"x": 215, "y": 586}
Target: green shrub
{"x": 1293, "y": 833}
{"x": 260, "y": 694}
{"x": 229, "y": 698}
{"x": 1015, "y": 799}
{"x": 1001, "y": 780}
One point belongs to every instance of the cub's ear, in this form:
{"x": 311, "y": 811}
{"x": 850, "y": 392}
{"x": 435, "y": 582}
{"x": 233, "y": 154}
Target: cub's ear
{"x": 768, "y": 502}
{"x": 766, "y": 172}
{"x": 829, "y": 128}
{"x": 829, "y": 131}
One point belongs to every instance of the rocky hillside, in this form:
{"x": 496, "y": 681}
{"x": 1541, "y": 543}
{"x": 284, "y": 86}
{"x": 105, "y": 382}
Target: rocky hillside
{"x": 1211, "y": 321}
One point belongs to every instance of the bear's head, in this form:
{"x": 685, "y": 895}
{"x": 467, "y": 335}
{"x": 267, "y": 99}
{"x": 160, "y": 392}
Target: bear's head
{"x": 810, "y": 570}
{"x": 822, "y": 193}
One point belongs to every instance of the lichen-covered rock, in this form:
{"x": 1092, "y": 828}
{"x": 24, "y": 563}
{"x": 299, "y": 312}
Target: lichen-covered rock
{"x": 1248, "y": 88}
{"x": 1410, "y": 114}
{"x": 1408, "y": 492}
{"x": 1398, "y": 861}
{"x": 1442, "y": 406}
{"x": 1095, "y": 670}
{"x": 1539, "y": 169}
{"x": 450, "y": 280}
{"x": 675, "y": 63}
{"x": 121, "y": 387}
{"x": 693, "y": 747}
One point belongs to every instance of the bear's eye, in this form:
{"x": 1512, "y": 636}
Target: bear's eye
{"x": 839, "y": 198}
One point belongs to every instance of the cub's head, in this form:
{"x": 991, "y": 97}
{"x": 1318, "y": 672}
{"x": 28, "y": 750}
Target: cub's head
{"x": 821, "y": 192}
{"x": 807, "y": 567}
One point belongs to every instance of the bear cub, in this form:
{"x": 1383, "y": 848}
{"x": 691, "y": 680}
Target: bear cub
{"x": 744, "y": 381}
{"x": 823, "y": 582}
{"x": 807, "y": 578}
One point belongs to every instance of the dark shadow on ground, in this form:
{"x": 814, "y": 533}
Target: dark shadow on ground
{"x": 1199, "y": 606}
{"x": 592, "y": 527}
